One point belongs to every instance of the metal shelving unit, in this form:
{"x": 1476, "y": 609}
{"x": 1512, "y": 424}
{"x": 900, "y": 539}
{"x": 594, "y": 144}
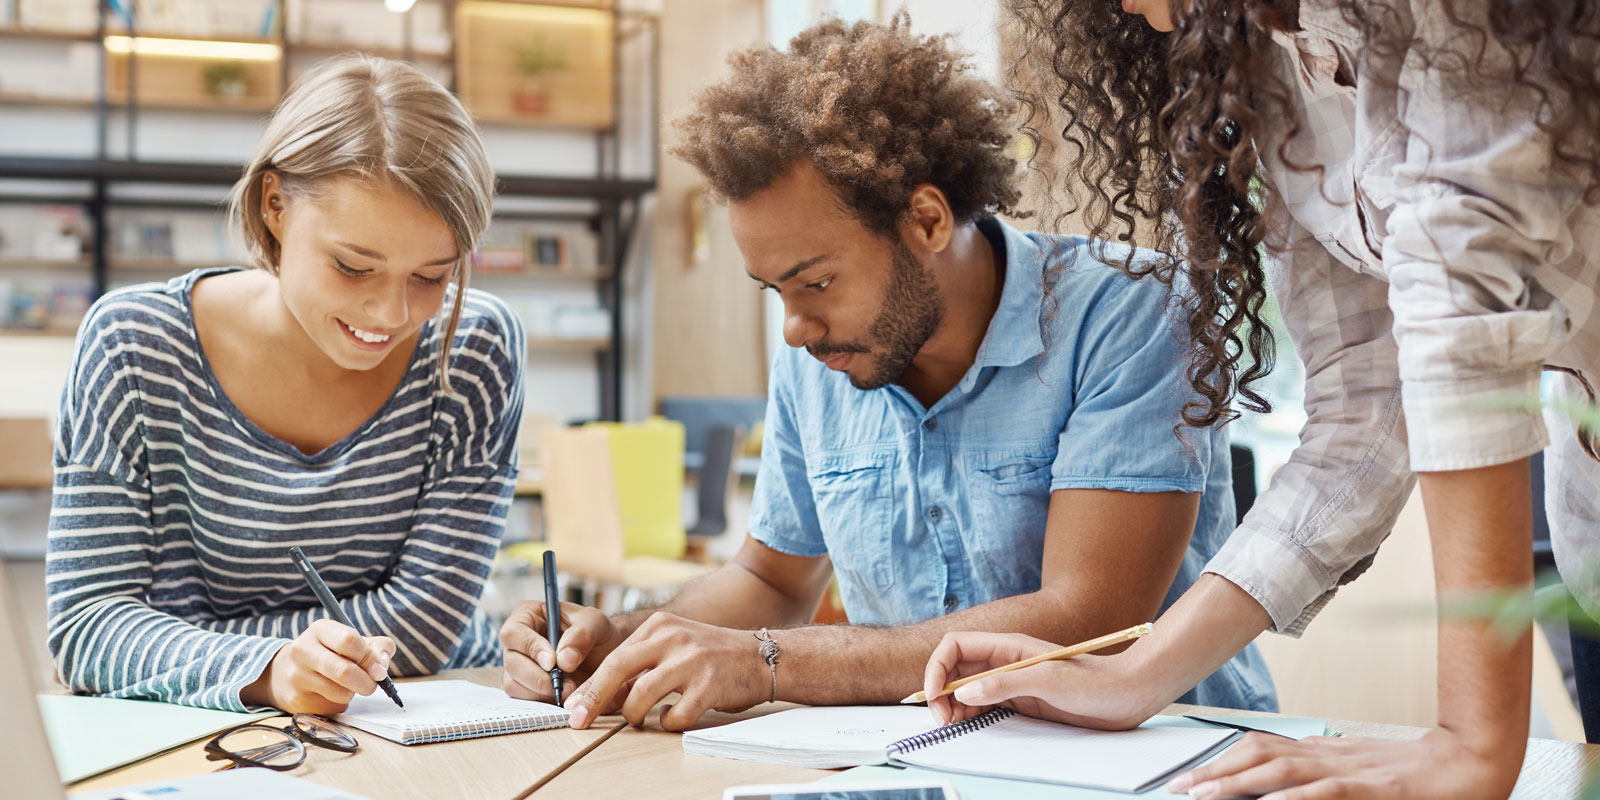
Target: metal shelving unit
{"x": 615, "y": 200}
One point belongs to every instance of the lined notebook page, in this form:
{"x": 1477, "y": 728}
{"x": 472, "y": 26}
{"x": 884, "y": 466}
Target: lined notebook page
{"x": 1036, "y": 750}
{"x": 439, "y": 711}
{"x": 823, "y": 737}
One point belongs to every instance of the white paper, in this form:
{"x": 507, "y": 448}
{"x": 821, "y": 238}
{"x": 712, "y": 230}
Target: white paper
{"x": 823, "y": 737}
{"x": 1036, "y": 750}
{"x": 437, "y": 705}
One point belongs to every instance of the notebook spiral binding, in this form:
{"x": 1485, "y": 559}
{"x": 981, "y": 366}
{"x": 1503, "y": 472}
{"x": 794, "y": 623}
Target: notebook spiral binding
{"x": 948, "y": 732}
{"x": 491, "y": 726}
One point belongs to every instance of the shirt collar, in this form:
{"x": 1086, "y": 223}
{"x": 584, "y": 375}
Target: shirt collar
{"x": 1314, "y": 49}
{"x": 1015, "y": 334}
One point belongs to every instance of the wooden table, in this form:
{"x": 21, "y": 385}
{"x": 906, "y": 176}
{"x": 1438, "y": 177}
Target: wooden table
{"x": 496, "y": 767}
{"x": 650, "y": 763}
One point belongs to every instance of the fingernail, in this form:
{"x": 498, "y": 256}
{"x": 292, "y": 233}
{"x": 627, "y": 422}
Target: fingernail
{"x": 567, "y": 659}
{"x": 375, "y": 669}
{"x": 546, "y": 661}
{"x": 383, "y": 658}
{"x": 1204, "y": 790}
{"x": 1180, "y": 784}
{"x": 580, "y": 717}
{"x": 971, "y": 693}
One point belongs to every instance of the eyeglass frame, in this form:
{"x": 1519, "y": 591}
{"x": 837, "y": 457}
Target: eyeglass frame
{"x": 294, "y": 736}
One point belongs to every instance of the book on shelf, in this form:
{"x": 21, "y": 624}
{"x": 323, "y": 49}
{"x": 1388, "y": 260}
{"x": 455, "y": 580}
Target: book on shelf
{"x": 202, "y": 19}
{"x": 546, "y": 250}
{"x": 142, "y": 239}
{"x": 60, "y": 233}
{"x": 44, "y": 306}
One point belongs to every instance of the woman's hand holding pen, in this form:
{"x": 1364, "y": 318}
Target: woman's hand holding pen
{"x": 1074, "y": 691}
{"x": 587, "y": 636}
{"x": 322, "y": 670}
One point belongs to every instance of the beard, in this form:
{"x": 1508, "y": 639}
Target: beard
{"x": 911, "y": 311}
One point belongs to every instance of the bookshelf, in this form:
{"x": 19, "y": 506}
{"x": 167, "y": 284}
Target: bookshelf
{"x": 151, "y": 67}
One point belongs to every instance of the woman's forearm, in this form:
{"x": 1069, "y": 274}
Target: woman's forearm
{"x": 1480, "y": 523}
{"x": 1208, "y": 625}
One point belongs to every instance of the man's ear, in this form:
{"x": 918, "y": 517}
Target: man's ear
{"x": 929, "y": 223}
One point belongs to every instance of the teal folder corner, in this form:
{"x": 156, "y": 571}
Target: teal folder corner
{"x": 91, "y": 735}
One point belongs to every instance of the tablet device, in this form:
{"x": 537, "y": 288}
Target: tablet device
{"x": 879, "y": 790}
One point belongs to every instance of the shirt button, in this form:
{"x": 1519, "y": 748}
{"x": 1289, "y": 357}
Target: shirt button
{"x": 931, "y": 424}
{"x": 949, "y": 602}
{"x": 934, "y": 513}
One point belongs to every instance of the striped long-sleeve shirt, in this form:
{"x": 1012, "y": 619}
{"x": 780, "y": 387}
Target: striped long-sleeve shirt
{"x": 168, "y": 572}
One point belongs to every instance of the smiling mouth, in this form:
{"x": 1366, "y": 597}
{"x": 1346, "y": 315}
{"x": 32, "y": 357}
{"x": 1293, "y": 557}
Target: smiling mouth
{"x": 366, "y": 336}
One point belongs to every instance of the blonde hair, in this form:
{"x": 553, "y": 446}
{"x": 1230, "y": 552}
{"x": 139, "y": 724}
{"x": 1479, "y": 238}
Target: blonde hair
{"x": 378, "y": 120}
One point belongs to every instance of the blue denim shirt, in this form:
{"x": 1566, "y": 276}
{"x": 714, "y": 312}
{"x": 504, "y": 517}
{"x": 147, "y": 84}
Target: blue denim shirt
{"x": 928, "y": 511}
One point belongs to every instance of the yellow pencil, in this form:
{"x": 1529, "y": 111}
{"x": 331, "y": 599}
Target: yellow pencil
{"x": 1054, "y": 655}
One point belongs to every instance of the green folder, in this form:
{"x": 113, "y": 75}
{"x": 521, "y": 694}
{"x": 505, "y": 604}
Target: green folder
{"x": 91, "y": 735}
{"x": 976, "y": 787}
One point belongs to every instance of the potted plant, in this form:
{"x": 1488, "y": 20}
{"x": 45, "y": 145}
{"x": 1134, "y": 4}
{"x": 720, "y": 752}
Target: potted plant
{"x": 535, "y": 60}
{"x": 225, "y": 81}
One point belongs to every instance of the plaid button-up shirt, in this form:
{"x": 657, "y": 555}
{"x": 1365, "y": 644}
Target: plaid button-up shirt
{"x": 1426, "y": 272}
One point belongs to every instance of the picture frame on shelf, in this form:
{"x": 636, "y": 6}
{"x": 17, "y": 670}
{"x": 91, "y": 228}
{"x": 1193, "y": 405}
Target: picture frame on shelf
{"x": 546, "y": 251}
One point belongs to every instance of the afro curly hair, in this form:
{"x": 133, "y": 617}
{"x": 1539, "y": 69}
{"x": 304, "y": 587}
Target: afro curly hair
{"x": 878, "y": 111}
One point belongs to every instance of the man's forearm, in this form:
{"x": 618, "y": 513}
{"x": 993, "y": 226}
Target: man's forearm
{"x": 840, "y": 664}
{"x": 730, "y": 597}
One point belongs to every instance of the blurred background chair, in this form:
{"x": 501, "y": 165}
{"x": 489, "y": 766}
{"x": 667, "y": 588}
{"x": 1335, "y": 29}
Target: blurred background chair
{"x": 611, "y": 514}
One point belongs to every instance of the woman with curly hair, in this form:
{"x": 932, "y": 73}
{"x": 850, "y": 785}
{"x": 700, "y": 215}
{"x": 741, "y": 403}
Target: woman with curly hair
{"x": 1421, "y": 182}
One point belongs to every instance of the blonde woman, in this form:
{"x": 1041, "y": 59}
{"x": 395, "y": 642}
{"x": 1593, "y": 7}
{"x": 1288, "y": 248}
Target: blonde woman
{"x": 349, "y": 396}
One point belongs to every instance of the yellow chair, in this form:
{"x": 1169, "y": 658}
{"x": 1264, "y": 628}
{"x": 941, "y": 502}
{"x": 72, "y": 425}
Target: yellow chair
{"x": 647, "y": 461}
{"x": 584, "y": 517}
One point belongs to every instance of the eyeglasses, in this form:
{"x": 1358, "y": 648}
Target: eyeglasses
{"x": 281, "y": 749}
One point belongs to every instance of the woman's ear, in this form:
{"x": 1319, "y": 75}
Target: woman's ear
{"x": 272, "y": 203}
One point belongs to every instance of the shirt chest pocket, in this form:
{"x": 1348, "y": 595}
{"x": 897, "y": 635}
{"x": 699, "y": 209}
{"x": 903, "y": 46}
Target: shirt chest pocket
{"x": 1012, "y": 473}
{"x": 854, "y": 496}
{"x": 1010, "y": 499}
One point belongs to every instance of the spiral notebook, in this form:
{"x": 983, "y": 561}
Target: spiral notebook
{"x": 444, "y": 711}
{"x": 999, "y": 743}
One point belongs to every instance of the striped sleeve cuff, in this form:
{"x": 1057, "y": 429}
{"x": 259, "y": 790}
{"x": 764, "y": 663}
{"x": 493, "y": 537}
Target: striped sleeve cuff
{"x": 249, "y": 665}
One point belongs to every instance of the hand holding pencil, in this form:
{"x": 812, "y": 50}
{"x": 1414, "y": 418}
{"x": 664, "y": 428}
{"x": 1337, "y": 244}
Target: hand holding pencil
{"x": 969, "y": 673}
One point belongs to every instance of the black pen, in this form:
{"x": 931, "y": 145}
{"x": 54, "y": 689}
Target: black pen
{"x": 552, "y": 616}
{"x": 331, "y": 606}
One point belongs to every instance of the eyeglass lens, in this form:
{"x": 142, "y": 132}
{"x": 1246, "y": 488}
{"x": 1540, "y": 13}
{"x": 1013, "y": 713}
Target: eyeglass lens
{"x": 320, "y": 731}
{"x": 265, "y": 746}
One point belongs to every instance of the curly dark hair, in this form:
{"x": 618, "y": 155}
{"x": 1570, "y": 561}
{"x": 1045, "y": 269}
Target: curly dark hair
{"x": 1163, "y": 133}
{"x": 877, "y": 109}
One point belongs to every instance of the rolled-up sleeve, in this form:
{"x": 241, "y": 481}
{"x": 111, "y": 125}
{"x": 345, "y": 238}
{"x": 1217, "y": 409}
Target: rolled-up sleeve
{"x": 1327, "y": 510}
{"x": 783, "y": 515}
{"x": 1480, "y": 207}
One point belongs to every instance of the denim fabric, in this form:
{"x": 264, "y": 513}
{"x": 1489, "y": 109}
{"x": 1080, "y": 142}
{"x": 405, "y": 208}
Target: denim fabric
{"x": 928, "y": 511}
